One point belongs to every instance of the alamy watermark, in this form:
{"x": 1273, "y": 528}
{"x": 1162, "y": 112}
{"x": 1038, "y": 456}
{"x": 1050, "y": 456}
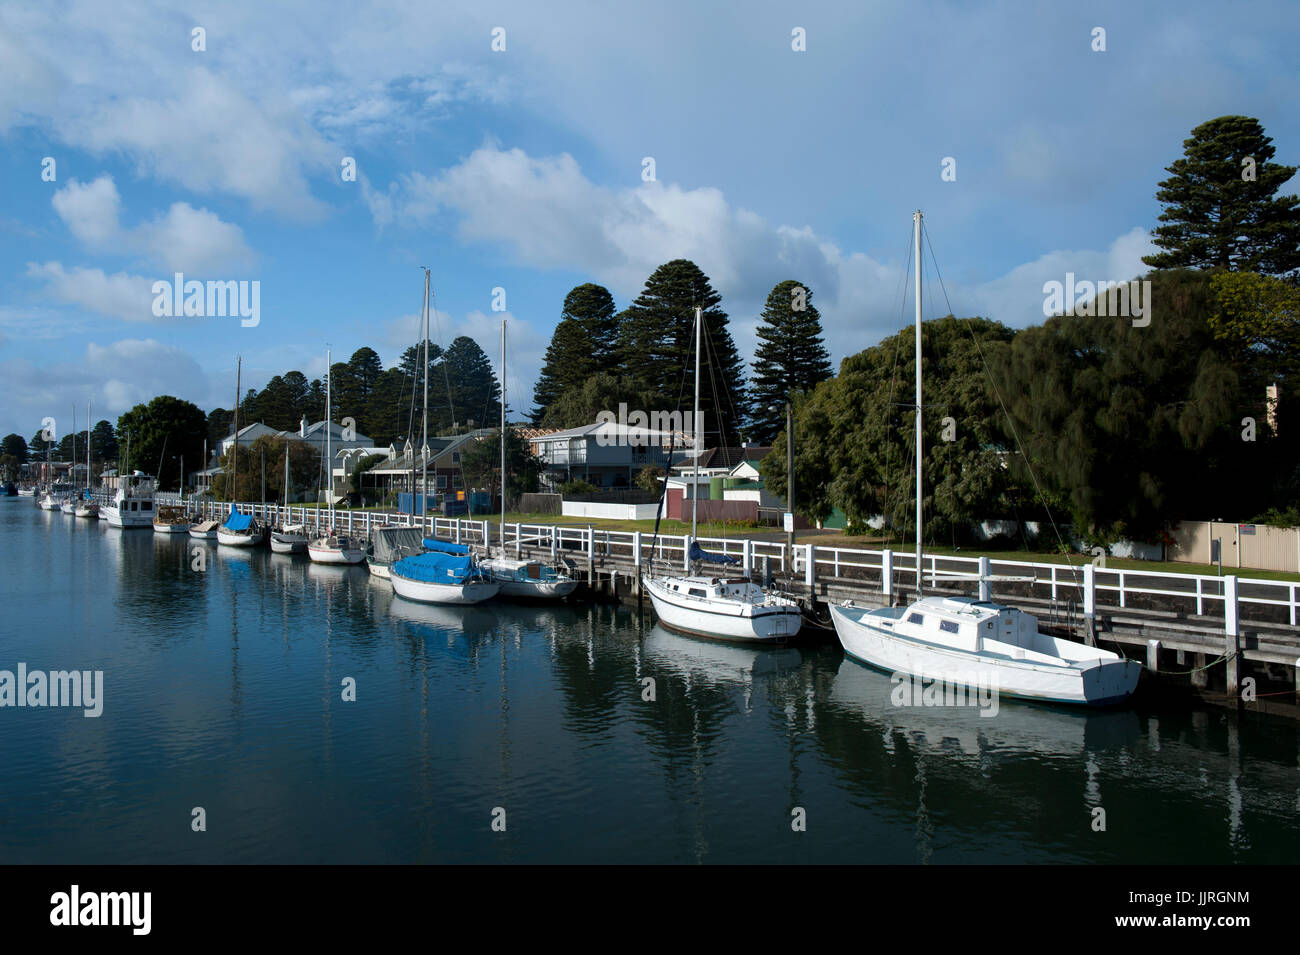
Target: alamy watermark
{"x": 75, "y": 688}
{"x": 644, "y": 429}
{"x": 947, "y": 689}
{"x": 211, "y": 299}
{"x": 1099, "y": 299}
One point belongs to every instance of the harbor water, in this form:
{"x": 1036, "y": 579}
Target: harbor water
{"x": 303, "y": 713}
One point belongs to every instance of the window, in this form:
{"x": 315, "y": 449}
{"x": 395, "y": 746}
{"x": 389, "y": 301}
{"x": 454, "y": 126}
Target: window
{"x": 915, "y": 618}
{"x": 697, "y": 592}
{"x": 947, "y": 626}
{"x": 455, "y": 457}
{"x": 146, "y": 505}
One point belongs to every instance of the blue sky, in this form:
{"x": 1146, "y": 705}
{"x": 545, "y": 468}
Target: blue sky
{"x": 522, "y": 169}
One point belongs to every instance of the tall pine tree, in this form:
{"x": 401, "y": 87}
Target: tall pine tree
{"x": 584, "y": 343}
{"x": 1221, "y": 208}
{"x": 791, "y": 357}
{"x": 657, "y": 342}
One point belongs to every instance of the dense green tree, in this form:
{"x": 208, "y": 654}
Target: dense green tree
{"x": 656, "y": 337}
{"x": 855, "y": 434}
{"x": 162, "y": 432}
{"x": 475, "y": 392}
{"x": 1221, "y": 208}
{"x": 14, "y": 446}
{"x": 103, "y": 442}
{"x": 304, "y": 471}
{"x": 388, "y": 412}
{"x": 583, "y": 401}
{"x": 1259, "y": 317}
{"x": 791, "y": 356}
{"x": 584, "y": 342}
{"x": 481, "y": 465}
{"x": 1137, "y": 427}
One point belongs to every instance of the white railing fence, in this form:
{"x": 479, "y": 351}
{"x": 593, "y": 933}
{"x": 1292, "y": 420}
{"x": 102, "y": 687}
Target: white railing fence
{"x": 1228, "y": 598}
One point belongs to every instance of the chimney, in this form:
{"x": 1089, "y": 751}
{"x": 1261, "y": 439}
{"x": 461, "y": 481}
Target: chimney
{"x": 302, "y": 427}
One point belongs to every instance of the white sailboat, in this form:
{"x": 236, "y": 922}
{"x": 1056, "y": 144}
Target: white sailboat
{"x": 291, "y": 539}
{"x": 332, "y": 548}
{"x": 390, "y": 545}
{"x": 237, "y": 530}
{"x": 527, "y": 579}
{"x": 86, "y": 507}
{"x": 977, "y": 643}
{"x": 446, "y": 573}
{"x": 726, "y": 608}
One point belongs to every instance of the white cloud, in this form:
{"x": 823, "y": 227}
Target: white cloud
{"x": 90, "y": 211}
{"x": 183, "y": 239}
{"x": 128, "y": 297}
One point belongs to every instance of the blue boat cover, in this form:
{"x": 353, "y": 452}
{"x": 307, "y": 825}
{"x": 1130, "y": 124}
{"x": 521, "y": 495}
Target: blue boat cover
{"x": 434, "y": 568}
{"x": 444, "y": 547}
{"x": 699, "y": 553}
{"x": 238, "y": 522}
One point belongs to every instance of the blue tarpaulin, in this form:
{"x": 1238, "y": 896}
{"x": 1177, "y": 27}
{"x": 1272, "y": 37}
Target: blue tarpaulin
{"x": 699, "y": 553}
{"x": 238, "y": 522}
{"x": 444, "y": 547}
{"x": 434, "y": 568}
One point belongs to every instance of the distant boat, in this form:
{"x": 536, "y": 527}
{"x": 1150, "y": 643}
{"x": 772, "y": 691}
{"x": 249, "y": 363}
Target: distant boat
{"x": 171, "y": 520}
{"x": 204, "y": 530}
{"x": 239, "y": 530}
{"x": 68, "y": 506}
{"x": 27, "y": 492}
{"x": 968, "y": 642}
{"x": 332, "y": 548}
{"x": 447, "y": 575}
{"x": 391, "y": 544}
{"x": 86, "y": 507}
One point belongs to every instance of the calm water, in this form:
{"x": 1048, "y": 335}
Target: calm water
{"x": 223, "y": 690}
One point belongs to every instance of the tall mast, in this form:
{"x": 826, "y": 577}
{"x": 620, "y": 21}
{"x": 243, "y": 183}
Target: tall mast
{"x": 329, "y": 446}
{"x": 503, "y": 437}
{"x": 72, "y": 467}
{"x": 699, "y": 436}
{"x": 87, "y": 445}
{"x": 424, "y": 421}
{"x": 234, "y": 467}
{"x": 916, "y": 219}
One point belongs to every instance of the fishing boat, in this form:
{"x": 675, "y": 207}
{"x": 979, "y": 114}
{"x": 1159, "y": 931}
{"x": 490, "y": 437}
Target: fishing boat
{"x": 526, "y": 579}
{"x": 726, "y": 608}
{"x": 132, "y": 504}
{"x": 291, "y": 539}
{"x": 204, "y": 530}
{"x": 446, "y": 574}
{"x": 331, "y": 547}
{"x": 239, "y": 530}
{"x": 171, "y": 520}
{"x": 977, "y": 643}
{"x": 390, "y": 545}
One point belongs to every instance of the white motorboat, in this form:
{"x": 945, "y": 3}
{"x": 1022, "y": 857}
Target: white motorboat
{"x": 27, "y": 492}
{"x": 204, "y": 530}
{"x": 392, "y": 544}
{"x": 963, "y": 641}
{"x": 292, "y": 539}
{"x": 171, "y": 520}
{"x": 442, "y": 578}
{"x": 87, "y": 509}
{"x": 528, "y": 578}
{"x": 239, "y": 530}
{"x": 68, "y": 507}
{"x": 132, "y": 505}
{"x": 977, "y": 643}
{"x": 52, "y": 501}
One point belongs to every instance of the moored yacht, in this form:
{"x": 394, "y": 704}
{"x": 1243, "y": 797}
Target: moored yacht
{"x": 391, "y": 544}
{"x": 728, "y": 608}
{"x": 171, "y": 520}
{"x": 239, "y": 530}
{"x": 291, "y": 539}
{"x": 446, "y": 576}
{"x": 132, "y": 504}
{"x": 528, "y": 578}
{"x": 204, "y": 530}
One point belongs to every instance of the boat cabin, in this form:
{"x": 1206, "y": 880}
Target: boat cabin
{"x": 965, "y": 623}
{"x": 716, "y": 588}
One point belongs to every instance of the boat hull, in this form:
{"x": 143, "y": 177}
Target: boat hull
{"x": 282, "y": 545}
{"x": 237, "y": 539}
{"x": 378, "y": 569}
{"x": 87, "y": 510}
{"x": 470, "y": 592}
{"x": 335, "y": 555}
{"x": 171, "y": 528}
{"x": 761, "y": 625}
{"x": 864, "y": 639}
{"x": 68, "y": 508}
{"x": 537, "y": 589}
{"x": 203, "y": 535}
{"x": 127, "y": 520}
